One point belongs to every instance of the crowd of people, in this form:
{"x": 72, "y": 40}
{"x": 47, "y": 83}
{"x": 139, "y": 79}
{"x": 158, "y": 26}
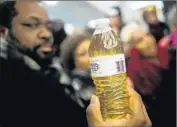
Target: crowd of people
{"x": 45, "y": 74}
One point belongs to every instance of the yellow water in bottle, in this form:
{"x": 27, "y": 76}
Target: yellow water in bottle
{"x": 108, "y": 70}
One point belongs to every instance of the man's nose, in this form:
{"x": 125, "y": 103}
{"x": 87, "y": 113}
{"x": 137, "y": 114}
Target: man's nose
{"x": 45, "y": 35}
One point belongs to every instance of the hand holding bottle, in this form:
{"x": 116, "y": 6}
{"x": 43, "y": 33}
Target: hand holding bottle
{"x": 138, "y": 118}
{"x": 108, "y": 71}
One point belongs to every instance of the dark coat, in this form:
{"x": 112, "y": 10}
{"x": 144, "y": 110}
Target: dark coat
{"x": 159, "y": 30}
{"x": 84, "y": 86}
{"x": 167, "y": 94}
{"x": 32, "y": 98}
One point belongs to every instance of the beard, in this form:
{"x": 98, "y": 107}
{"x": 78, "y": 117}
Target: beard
{"x": 44, "y": 59}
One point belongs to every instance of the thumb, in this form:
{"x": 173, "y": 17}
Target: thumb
{"x": 130, "y": 83}
{"x": 94, "y": 116}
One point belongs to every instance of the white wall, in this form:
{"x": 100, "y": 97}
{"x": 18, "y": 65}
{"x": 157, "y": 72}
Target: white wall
{"x": 77, "y": 13}
{"x": 130, "y": 9}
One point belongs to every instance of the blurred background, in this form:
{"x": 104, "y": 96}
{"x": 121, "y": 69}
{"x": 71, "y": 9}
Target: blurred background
{"x": 79, "y": 13}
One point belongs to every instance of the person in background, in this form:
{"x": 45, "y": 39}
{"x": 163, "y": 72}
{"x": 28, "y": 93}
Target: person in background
{"x": 59, "y": 35}
{"x": 74, "y": 53}
{"x": 145, "y": 67}
{"x": 115, "y": 17}
{"x": 138, "y": 118}
{"x": 167, "y": 103}
{"x": 125, "y": 36}
{"x": 157, "y": 28}
{"x": 170, "y": 40}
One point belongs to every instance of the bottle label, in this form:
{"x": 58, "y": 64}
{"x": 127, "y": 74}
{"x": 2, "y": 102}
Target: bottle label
{"x": 107, "y": 65}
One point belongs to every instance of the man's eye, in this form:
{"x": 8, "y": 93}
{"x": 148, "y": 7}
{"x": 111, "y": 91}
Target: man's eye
{"x": 31, "y": 25}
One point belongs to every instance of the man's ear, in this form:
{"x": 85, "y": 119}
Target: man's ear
{"x": 3, "y": 32}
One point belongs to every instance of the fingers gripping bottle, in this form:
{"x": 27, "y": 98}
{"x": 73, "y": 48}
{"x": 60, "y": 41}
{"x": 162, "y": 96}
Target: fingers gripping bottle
{"x": 108, "y": 71}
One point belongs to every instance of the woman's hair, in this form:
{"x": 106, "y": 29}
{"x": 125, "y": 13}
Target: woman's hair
{"x": 7, "y": 13}
{"x": 69, "y": 46}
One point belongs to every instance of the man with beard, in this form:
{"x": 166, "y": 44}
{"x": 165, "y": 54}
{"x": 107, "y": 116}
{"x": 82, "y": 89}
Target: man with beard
{"x": 31, "y": 92}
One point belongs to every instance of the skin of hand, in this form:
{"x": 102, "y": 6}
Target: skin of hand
{"x": 138, "y": 117}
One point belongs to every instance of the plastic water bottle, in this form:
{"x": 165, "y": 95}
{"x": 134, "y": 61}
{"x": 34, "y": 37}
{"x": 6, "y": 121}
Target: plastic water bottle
{"x": 108, "y": 71}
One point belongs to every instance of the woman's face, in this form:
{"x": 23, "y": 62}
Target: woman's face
{"x": 145, "y": 43}
{"x": 82, "y": 56}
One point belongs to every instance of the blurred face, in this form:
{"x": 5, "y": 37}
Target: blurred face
{"x": 82, "y": 56}
{"x": 145, "y": 43}
{"x": 151, "y": 17}
{"x": 31, "y": 27}
{"x": 115, "y": 21}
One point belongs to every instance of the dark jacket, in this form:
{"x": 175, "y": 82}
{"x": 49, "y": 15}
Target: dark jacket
{"x": 159, "y": 30}
{"x": 31, "y": 97}
{"x": 167, "y": 94}
{"x": 83, "y": 85}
